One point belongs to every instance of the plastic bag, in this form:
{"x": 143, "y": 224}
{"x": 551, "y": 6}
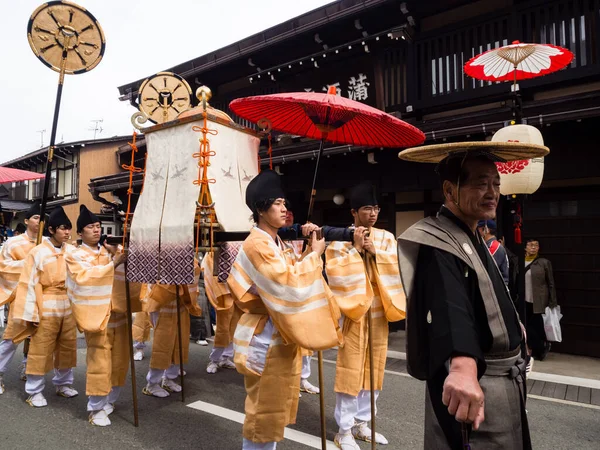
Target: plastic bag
{"x": 552, "y": 324}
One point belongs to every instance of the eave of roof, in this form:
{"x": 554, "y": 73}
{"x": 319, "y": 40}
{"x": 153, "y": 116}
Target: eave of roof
{"x": 317, "y": 17}
{"x": 64, "y": 145}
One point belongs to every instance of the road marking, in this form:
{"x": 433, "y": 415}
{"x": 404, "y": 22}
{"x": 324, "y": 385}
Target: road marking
{"x": 396, "y": 355}
{"x": 392, "y": 372}
{"x": 541, "y": 376}
{"x": 564, "y": 402}
{"x": 289, "y": 434}
{"x": 562, "y": 379}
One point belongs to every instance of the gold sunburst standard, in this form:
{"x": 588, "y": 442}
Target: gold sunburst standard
{"x": 163, "y": 97}
{"x": 60, "y": 27}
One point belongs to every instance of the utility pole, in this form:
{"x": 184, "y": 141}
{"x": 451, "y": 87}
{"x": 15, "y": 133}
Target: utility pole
{"x": 41, "y": 137}
{"x": 96, "y": 128}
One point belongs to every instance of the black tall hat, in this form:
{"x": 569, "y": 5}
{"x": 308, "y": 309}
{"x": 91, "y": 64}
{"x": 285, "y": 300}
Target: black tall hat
{"x": 363, "y": 195}
{"x": 86, "y": 217}
{"x": 34, "y": 210}
{"x": 58, "y": 218}
{"x": 264, "y": 186}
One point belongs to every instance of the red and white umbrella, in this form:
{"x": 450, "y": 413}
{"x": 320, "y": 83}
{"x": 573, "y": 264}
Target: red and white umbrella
{"x": 518, "y": 61}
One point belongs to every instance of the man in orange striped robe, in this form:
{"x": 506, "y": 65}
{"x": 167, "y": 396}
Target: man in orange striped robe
{"x": 287, "y": 306}
{"x": 94, "y": 278}
{"x": 42, "y": 311}
{"x": 162, "y": 308}
{"x": 363, "y": 275}
{"x": 220, "y": 297}
{"x": 12, "y": 259}
{"x": 141, "y": 325}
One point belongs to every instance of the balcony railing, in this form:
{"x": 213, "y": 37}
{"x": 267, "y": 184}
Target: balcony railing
{"x": 430, "y": 71}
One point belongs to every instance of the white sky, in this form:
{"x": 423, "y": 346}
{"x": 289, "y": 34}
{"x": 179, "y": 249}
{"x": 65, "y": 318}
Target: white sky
{"x": 142, "y": 37}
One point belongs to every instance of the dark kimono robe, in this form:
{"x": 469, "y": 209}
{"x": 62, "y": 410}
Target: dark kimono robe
{"x": 447, "y": 317}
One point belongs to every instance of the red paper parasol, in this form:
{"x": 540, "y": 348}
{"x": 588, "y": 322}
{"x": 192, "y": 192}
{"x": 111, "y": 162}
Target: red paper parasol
{"x": 10, "y": 175}
{"x": 518, "y": 61}
{"x": 328, "y": 117}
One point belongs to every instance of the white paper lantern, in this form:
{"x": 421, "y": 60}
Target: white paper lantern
{"x": 524, "y": 176}
{"x": 339, "y": 199}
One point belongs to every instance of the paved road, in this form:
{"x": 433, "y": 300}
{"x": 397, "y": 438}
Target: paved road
{"x": 171, "y": 424}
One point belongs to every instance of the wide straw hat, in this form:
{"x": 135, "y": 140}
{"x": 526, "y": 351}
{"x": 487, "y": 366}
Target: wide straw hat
{"x": 498, "y": 151}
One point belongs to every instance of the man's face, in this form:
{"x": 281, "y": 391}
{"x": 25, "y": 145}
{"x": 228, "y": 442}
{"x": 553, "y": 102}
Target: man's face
{"x": 61, "y": 234}
{"x": 532, "y": 248}
{"x": 276, "y": 215}
{"x": 480, "y": 191}
{"x": 366, "y": 216}
{"x": 289, "y": 218}
{"x": 33, "y": 224}
{"x": 90, "y": 235}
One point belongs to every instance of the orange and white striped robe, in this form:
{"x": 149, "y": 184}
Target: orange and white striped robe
{"x": 90, "y": 278}
{"x": 12, "y": 260}
{"x": 99, "y": 302}
{"x": 359, "y": 285}
{"x": 277, "y": 291}
{"x": 141, "y": 323}
{"x": 41, "y": 298}
{"x": 221, "y": 299}
{"x": 162, "y": 300}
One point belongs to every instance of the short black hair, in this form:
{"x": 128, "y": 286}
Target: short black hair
{"x": 264, "y": 205}
{"x": 68, "y": 226}
{"x": 21, "y": 228}
{"x": 532, "y": 239}
{"x": 452, "y": 168}
{"x": 261, "y": 206}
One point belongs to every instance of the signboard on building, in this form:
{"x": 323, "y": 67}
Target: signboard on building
{"x": 354, "y": 78}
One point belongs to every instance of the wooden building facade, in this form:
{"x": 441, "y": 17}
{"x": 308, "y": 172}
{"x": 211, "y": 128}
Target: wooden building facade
{"x": 407, "y": 58}
{"x": 74, "y": 164}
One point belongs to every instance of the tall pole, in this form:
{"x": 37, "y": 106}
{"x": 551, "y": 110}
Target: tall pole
{"x": 136, "y": 421}
{"x": 322, "y": 401}
{"x": 180, "y": 343}
{"x": 311, "y": 205}
{"x": 371, "y": 377}
{"x": 49, "y": 160}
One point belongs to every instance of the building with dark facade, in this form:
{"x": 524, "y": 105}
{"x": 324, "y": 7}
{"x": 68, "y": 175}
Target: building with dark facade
{"x": 407, "y": 58}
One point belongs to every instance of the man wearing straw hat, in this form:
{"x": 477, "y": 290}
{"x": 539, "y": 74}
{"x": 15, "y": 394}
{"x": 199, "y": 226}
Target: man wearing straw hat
{"x": 364, "y": 276}
{"x": 463, "y": 332}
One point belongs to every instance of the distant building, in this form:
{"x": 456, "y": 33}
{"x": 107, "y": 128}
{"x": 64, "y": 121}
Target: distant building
{"x": 75, "y": 163}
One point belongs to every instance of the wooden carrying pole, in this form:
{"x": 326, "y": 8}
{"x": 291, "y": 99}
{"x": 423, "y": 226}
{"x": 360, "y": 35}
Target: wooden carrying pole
{"x": 370, "y": 350}
{"x": 179, "y": 342}
{"x": 322, "y": 402}
{"x": 371, "y": 376}
{"x": 131, "y": 169}
{"x": 136, "y": 421}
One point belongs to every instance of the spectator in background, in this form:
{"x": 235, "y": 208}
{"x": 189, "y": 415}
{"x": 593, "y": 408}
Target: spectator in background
{"x": 513, "y": 271}
{"x": 487, "y": 230}
{"x": 539, "y": 293}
